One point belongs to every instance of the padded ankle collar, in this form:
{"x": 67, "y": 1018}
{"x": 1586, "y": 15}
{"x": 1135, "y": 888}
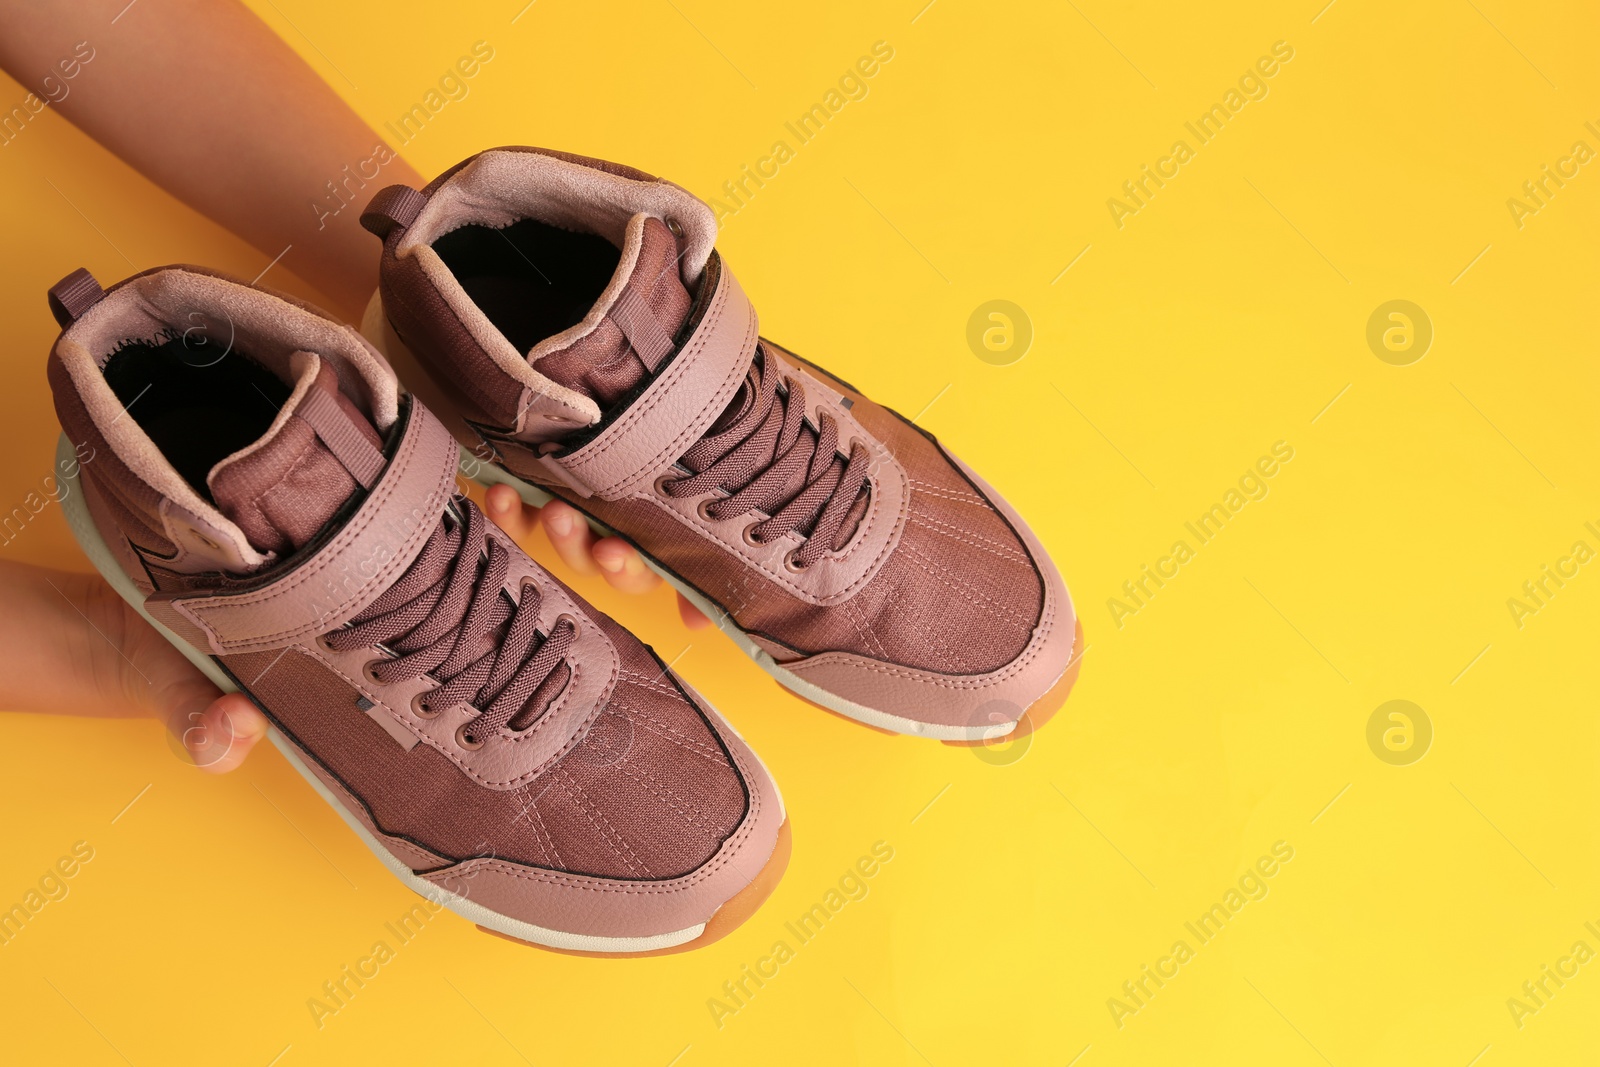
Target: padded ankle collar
{"x": 678, "y": 407}
{"x": 350, "y": 571}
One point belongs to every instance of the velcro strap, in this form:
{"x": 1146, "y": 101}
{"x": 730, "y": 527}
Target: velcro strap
{"x": 355, "y": 567}
{"x": 678, "y": 407}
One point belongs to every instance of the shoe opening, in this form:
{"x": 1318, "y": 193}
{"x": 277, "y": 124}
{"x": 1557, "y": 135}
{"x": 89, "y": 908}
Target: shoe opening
{"x": 198, "y": 403}
{"x": 532, "y": 280}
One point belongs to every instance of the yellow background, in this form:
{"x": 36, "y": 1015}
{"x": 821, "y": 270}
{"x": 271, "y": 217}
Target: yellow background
{"x": 1223, "y": 717}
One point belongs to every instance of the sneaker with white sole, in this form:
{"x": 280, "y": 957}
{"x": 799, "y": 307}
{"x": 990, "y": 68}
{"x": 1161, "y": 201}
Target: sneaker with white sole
{"x": 593, "y": 346}
{"x": 250, "y": 477}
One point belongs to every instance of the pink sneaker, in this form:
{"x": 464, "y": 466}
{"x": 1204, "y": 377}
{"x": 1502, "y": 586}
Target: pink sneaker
{"x": 596, "y": 348}
{"x": 254, "y": 482}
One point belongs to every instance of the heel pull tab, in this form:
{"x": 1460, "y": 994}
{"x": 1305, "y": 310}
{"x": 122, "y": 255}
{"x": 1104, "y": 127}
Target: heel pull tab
{"x": 73, "y": 295}
{"x": 394, "y": 207}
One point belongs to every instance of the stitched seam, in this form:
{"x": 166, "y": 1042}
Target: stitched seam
{"x": 872, "y": 522}
{"x": 1000, "y": 549}
{"x": 542, "y": 830}
{"x": 692, "y": 815}
{"x": 1001, "y": 676}
{"x": 949, "y": 494}
{"x": 527, "y": 776}
{"x": 875, "y": 518}
{"x": 360, "y": 687}
{"x": 547, "y": 587}
{"x": 619, "y": 847}
{"x": 726, "y": 857}
{"x": 294, "y": 466}
{"x": 465, "y": 768}
{"x": 551, "y": 713}
{"x": 315, "y": 566}
{"x": 688, "y": 744}
{"x": 957, "y": 584}
{"x": 853, "y": 613}
{"x": 521, "y": 794}
{"x": 655, "y": 685}
{"x": 931, "y": 641}
{"x": 886, "y": 461}
{"x": 667, "y": 732}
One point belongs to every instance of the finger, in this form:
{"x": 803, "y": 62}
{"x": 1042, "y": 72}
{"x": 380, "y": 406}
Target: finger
{"x": 692, "y": 617}
{"x": 570, "y": 535}
{"x": 573, "y": 540}
{"x": 503, "y": 504}
{"x": 623, "y": 567}
{"x": 214, "y": 731}
{"x": 224, "y": 733}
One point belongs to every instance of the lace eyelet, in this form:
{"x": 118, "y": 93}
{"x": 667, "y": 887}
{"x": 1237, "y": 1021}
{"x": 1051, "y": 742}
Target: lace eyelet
{"x": 750, "y": 537}
{"x": 565, "y": 617}
{"x": 369, "y": 671}
{"x": 419, "y": 706}
{"x": 465, "y": 739}
{"x": 323, "y": 643}
{"x": 661, "y": 485}
{"x": 703, "y": 509}
{"x": 674, "y": 227}
{"x": 792, "y": 564}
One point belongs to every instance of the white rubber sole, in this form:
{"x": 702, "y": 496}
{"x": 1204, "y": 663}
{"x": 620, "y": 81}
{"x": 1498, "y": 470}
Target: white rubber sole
{"x": 94, "y": 546}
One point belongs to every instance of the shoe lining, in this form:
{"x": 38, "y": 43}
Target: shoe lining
{"x": 197, "y": 407}
{"x": 531, "y": 279}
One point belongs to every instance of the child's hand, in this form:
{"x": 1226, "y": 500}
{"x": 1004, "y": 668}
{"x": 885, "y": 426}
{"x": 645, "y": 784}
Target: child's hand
{"x": 72, "y": 645}
{"x": 578, "y": 547}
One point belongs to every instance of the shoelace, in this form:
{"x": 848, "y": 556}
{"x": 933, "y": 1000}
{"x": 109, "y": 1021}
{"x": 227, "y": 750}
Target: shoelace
{"x": 441, "y": 618}
{"x": 768, "y": 458}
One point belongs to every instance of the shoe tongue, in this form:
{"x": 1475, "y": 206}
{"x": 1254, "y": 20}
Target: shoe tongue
{"x": 317, "y": 453}
{"x": 639, "y": 314}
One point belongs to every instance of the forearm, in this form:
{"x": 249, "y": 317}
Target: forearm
{"x": 204, "y": 99}
{"x": 56, "y": 618}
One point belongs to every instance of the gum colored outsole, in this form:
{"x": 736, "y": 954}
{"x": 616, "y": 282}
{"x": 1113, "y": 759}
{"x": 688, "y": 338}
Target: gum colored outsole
{"x": 1044, "y": 709}
{"x": 728, "y": 918}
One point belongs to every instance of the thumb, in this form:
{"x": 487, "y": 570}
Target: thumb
{"x": 70, "y": 644}
{"x": 215, "y": 733}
